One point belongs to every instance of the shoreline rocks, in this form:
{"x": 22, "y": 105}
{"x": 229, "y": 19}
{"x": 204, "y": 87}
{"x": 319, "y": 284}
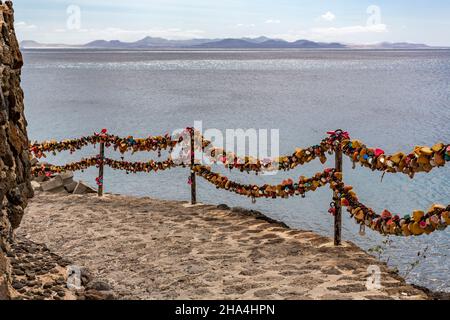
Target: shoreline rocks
{"x": 59, "y": 183}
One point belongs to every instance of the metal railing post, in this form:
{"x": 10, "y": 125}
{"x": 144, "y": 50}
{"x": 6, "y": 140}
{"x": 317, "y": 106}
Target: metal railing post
{"x": 338, "y": 206}
{"x": 101, "y": 169}
{"x": 193, "y": 177}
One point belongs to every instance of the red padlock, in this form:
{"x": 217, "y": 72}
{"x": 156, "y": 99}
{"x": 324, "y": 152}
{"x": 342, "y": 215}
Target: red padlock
{"x": 332, "y": 209}
{"x": 344, "y": 202}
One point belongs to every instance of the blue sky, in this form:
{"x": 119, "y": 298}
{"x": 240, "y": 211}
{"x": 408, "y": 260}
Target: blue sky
{"x": 350, "y": 21}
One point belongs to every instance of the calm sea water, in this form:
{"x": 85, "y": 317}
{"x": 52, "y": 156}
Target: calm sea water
{"x": 389, "y": 99}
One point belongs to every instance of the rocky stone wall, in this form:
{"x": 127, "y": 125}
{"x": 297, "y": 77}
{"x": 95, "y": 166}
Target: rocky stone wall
{"x": 15, "y": 187}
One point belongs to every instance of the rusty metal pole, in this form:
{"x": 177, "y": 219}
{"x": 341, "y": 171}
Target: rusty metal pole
{"x": 101, "y": 169}
{"x": 338, "y": 206}
{"x": 193, "y": 178}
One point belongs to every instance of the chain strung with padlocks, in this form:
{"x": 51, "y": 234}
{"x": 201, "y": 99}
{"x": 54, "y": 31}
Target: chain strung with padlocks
{"x": 216, "y": 155}
{"x": 386, "y": 223}
{"x": 422, "y": 159}
{"x": 156, "y": 143}
{"x": 129, "y": 167}
{"x": 286, "y": 189}
{"x": 436, "y": 218}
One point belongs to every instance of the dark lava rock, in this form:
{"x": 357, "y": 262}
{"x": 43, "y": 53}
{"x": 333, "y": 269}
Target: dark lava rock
{"x": 98, "y": 286}
{"x": 18, "y": 272}
{"x": 53, "y": 271}
{"x": 18, "y": 285}
{"x": 50, "y": 265}
{"x": 64, "y": 262}
{"x": 47, "y": 286}
{"x": 37, "y": 260}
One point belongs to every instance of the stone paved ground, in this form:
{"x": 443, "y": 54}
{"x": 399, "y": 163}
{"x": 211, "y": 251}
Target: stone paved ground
{"x": 37, "y": 272}
{"x": 40, "y": 274}
{"x": 152, "y": 249}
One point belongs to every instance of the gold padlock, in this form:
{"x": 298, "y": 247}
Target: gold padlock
{"x": 360, "y": 215}
{"x": 435, "y": 207}
{"x": 418, "y": 215}
{"x": 439, "y": 159}
{"x": 396, "y": 158}
{"x": 426, "y": 151}
{"x": 446, "y": 217}
{"x": 423, "y": 159}
{"x": 356, "y": 144}
{"x": 438, "y": 147}
{"x": 416, "y": 229}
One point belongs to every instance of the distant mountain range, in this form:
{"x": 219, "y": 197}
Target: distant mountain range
{"x": 396, "y": 45}
{"x": 229, "y": 43}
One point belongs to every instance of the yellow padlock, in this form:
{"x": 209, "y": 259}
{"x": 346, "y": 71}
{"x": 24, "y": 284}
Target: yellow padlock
{"x": 423, "y": 160}
{"x": 446, "y": 216}
{"x": 418, "y": 215}
{"x": 405, "y": 230}
{"x": 360, "y": 215}
{"x": 396, "y": 158}
{"x": 439, "y": 159}
{"x": 438, "y": 147}
{"x": 299, "y": 153}
{"x": 426, "y": 151}
{"x": 356, "y": 144}
{"x": 416, "y": 229}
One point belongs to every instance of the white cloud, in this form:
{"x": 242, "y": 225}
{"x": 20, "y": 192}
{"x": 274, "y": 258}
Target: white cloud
{"x": 273, "y": 21}
{"x": 22, "y": 25}
{"x": 329, "y": 16}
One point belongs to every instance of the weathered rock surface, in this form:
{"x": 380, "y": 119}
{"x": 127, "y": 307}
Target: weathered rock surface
{"x": 82, "y": 188}
{"x": 40, "y": 274}
{"x": 54, "y": 185}
{"x": 59, "y": 183}
{"x": 70, "y": 187}
{"x": 15, "y": 187}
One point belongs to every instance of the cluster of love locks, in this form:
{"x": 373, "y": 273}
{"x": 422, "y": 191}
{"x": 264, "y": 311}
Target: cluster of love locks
{"x": 421, "y": 159}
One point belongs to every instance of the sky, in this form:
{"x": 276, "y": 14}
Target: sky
{"x": 347, "y": 21}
